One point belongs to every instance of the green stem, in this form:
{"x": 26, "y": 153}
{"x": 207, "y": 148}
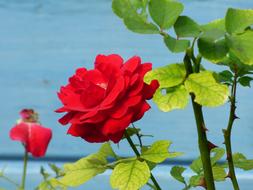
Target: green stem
{"x": 202, "y": 138}
{"x": 129, "y": 140}
{"x": 227, "y": 133}
{"x": 24, "y": 170}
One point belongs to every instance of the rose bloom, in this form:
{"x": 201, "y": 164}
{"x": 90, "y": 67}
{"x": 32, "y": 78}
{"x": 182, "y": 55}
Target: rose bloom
{"x": 101, "y": 103}
{"x": 32, "y": 134}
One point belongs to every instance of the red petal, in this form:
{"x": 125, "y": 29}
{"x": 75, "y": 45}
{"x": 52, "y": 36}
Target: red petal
{"x": 35, "y": 137}
{"x": 140, "y": 112}
{"x": 109, "y": 65}
{"x": 90, "y": 133}
{"x": 143, "y": 69}
{"x": 113, "y": 126}
{"x": 131, "y": 64}
{"x": 149, "y": 90}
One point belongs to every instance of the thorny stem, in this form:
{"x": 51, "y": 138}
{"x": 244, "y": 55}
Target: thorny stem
{"x": 138, "y": 136}
{"x": 201, "y": 129}
{"x": 138, "y": 154}
{"x": 227, "y": 132}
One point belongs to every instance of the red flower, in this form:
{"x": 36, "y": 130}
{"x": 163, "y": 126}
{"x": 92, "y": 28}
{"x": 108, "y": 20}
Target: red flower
{"x": 34, "y": 136}
{"x": 101, "y": 103}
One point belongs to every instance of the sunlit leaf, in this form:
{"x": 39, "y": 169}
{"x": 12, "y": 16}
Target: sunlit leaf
{"x": 168, "y": 76}
{"x": 240, "y": 161}
{"x": 237, "y": 20}
{"x": 130, "y": 176}
{"x": 207, "y": 91}
{"x": 219, "y": 173}
{"x": 83, "y": 170}
{"x": 173, "y": 98}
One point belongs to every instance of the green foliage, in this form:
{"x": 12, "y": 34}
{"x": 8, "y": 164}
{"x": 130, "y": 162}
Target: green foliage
{"x": 165, "y": 12}
{"x": 168, "y": 76}
{"x": 218, "y": 24}
{"x": 225, "y": 76}
{"x": 186, "y": 27}
{"x": 176, "y": 172}
{"x": 107, "y": 151}
{"x": 83, "y": 170}
{"x": 130, "y": 176}
{"x": 175, "y": 98}
{"x": 219, "y": 173}
{"x": 245, "y": 81}
{"x": 237, "y": 20}
{"x": 158, "y": 152}
{"x": 137, "y": 22}
{"x": 175, "y": 45}
{"x": 242, "y": 46}
{"x": 207, "y": 91}
{"x": 240, "y": 161}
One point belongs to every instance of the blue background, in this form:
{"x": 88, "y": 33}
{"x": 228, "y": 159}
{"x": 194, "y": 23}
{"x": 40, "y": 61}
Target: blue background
{"x": 42, "y": 42}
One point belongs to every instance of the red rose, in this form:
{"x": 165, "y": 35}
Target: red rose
{"x": 101, "y": 103}
{"x": 34, "y": 136}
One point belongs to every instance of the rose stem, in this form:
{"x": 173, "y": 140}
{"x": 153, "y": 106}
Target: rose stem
{"x": 201, "y": 129}
{"x": 24, "y": 170}
{"x": 227, "y": 132}
{"x": 138, "y": 154}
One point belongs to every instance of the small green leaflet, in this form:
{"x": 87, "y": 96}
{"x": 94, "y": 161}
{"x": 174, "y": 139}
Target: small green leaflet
{"x": 83, "y": 170}
{"x": 176, "y": 172}
{"x": 208, "y": 92}
{"x": 219, "y": 173}
{"x": 240, "y": 161}
{"x": 107, "y": 151}
{"x": 245, "y": 81}
{"x": 158, "y": 152}
{"x": 165, "y": 12}
{"x": 186, "y": 27}
{"x": 174, "y": 98}
{"x": 218, "y": 24}
{"x": 237, "y": 20}
{"x": 130, "y": 176}
{"x": 168, "y": 76}
{"x": 175, "y": 45}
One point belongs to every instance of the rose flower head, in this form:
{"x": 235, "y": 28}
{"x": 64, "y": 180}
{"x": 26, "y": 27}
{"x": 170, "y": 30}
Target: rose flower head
{"x": 102, "y": 102}
{"x": 31, "y": 133}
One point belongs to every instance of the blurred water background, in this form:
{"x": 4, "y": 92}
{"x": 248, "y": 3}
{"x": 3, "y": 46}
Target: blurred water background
{"x": 42, "y": 42}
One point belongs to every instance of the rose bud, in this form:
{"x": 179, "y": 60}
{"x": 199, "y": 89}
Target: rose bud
{"x": 102, "y": 102}
{"x": 31, "y": 133}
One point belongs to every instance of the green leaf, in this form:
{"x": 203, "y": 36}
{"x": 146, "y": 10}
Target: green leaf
{"x": 132, "y": 131}
{"x": 186, "y": 27}
{"x": 51, "y": 184}
{"x": 216, "y": 155}
{"x": 219, "y": 173}
{"x": 225, "y": 76}
{"x": 130, "y": 176}
{"x": 175, "y": 45}
{"x": 83, "y": 170}
{"x": 212, "y": 45}
{"x": 237, "y": 20}
{"x": 174, "y": 98}
{"x": 107, "y": 151}
{"x": 176, "y": 172}
{"x": 245, "y": 81}
{"x": 242, "y": 46}
{"x": 207, "y": 91}
{"x": 138, "y": 24}
{"x": 196, "y": 180}
{"x": 158, "y": 152}
{"x": 168, "y": 76}
{"x": 197, "y": 166}
{"x": 240, "y": 161}
{"x": 165, "y": 12}
{"x": 218, "y": 24}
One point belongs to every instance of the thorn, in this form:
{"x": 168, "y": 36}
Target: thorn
{"x": 236, "y": 117}
{"x": 202, "y": 183}
{"x": 228, "y": 175}
{"x": 204, "y": 129}
{"x": 229, "y": 156}
{"x": 211, "y": 146}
